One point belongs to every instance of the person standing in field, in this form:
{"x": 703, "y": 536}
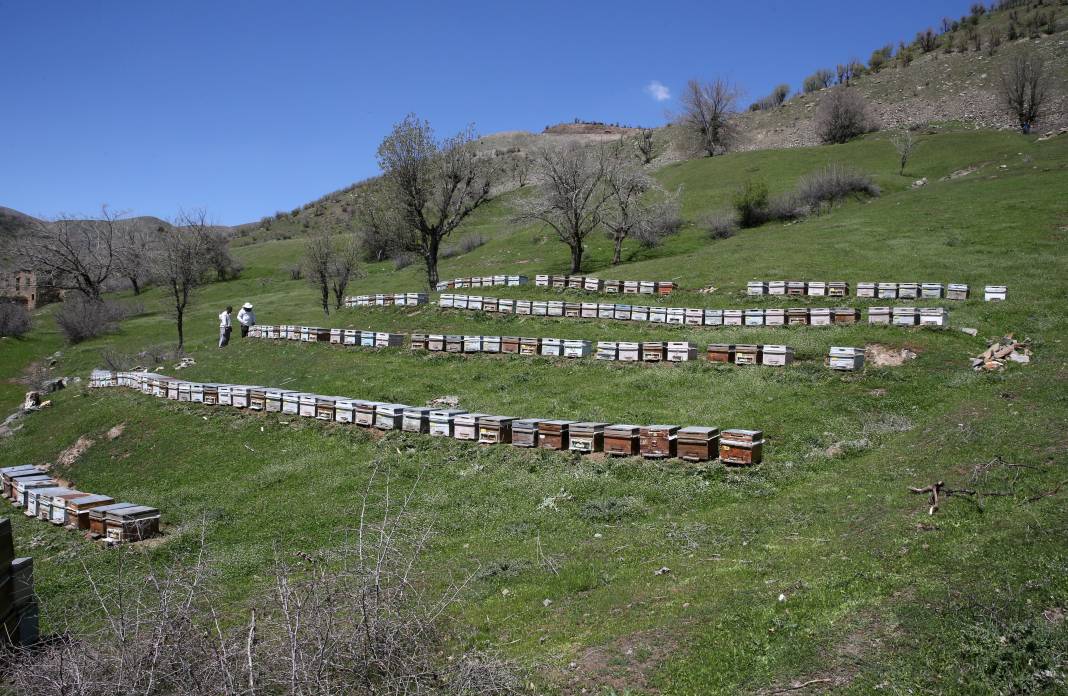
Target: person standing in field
{"x": 224, "y": 326}
{"x": 246, "y": 318}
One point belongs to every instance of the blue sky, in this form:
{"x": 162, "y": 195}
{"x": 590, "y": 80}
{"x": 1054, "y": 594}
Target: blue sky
{"x": 245, "y": 108}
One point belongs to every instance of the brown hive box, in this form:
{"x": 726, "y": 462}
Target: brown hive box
{"x": 747, "y": 354}
{"x": 613, "y": 286}
{"x": 558, "y": 281}
{"x": 529, "y": 346}
{"x": 720, "y": 352}
{"x": 8, "y": 473}
{"x": 322, "y": 335}
{"x": 365, "y": 413}
{"x": 576, "y": 282}
{"x": 454, "y": 344}
{"x": 525, "y": 432}
{"x": 846, "y": 315}
{"x": 257, "y": 398}
{"x": 795, "y": 287}
{"x": 621, "y": 440}
{"x": 78, "y": 509}
{"x": 495, "y": 430}
{"x": 587, "y": 437}
{"x": 465, "y": 425}
{"x": 743, "y": 447}
{"x": 665, "y": 287}
{"x": 325, "y": 407}
{"x": 490, "y": 304}
{"x": 658, "y": 441}
{"x": 510, "y": 344}
{"x": 435, "y": 343}
{"x": 418, "y": 341}
{"x": 653, "y": 351}
{"x": 797, "y": 316}
{"x": 97, "y": 515}
{"x": 131, "y": 523}
{"x": 554, "y": 434}
{"x": 698, "y": 443}
{"x": 837, "y": 288}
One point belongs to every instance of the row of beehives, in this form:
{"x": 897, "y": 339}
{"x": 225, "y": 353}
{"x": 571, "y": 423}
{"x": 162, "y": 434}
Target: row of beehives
{"x": 388, "y": 299}
{"x": 794, "y": 316}
{"x": 41, "y": 497}
{"x": 483, "y": 282}
{"x": 882, "y": 291}
{"x": 696, "y": 443}
{"x": 623, "y": 351}
{"x": 591, "y": 284}
{"x": 18, "y": 605}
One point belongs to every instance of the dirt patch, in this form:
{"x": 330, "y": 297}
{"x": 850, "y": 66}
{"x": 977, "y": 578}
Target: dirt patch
{"x": 74, "y": 452}
{"x": 623, "y": 665}
{"x": 878, "y": 355}
{"x": 116, "y": 431}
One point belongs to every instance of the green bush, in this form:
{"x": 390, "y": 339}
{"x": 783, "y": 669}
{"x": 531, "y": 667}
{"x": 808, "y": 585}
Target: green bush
{"x": 751, "y": 203}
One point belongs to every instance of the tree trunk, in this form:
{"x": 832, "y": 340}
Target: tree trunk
{"x": 430, "y": 258}
{"x": 576, "y": 257}
{"x": 136, "y": 285}
{"x": 617, "y": 253}
{"x": 325, "y": 289}
{"x": 180, "y": 315}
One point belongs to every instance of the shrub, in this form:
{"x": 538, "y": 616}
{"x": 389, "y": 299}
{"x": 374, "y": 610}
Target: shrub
{"x": 296, "y": 271}
{"x": 842, "y": 116}
{"x": 773, "y": 100}
{"x": 610, "y": 509}
{"x": 830, "y": 185}
{"x": 927, "y": 40}
{"x": 14, "y": 319}
{"x": 465, "y": 245}
{"x": 720, "y": 225}
{"x": 818, "y": 80}
{"x": 80, "y": 318}
{"x": 402, "y": 260}
{"x": 751, "y": 203}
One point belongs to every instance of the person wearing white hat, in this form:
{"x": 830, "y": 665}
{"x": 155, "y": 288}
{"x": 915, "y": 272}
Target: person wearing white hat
{"x": 246, "y": 318}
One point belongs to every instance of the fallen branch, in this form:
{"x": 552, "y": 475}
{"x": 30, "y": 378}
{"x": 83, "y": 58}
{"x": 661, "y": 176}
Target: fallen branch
{"x": 938, "y": 492}
{"x": 1053, "y": 491}
{"x": 804, "y": 685}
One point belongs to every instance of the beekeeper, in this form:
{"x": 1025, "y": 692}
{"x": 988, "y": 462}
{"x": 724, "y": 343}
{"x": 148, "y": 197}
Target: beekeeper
{"x": 246, "y": 318}
{"x": 224, "y": 326}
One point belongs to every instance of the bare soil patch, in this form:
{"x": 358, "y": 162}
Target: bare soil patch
{"x": 878, "y": 355}
{"x": 70, "y": 455}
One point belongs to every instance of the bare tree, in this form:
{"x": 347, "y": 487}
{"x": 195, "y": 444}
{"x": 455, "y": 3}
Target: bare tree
{"x": 707, "y": 115}
{"x": 818, "y": 80}
{"x": 376, "y": 223}
{"x": 521, "y": 169}
{"x": 180, "y": 262}
{"x": 643, "y": 143}
{"x": 133, "y": 253}
{"x": 71, "y": 253}
{"x": 344, "y": 267}
{"x": 904, "y": 142}
{"x": 1024, "y": 88}
{"x": 842, "y": 116}
{"x": 637, "y": 206}
{"x": 572, "y": 194}
{"x": 927, "y": 40}
{"x": 219, "y": 258}
{"x": 318, "y": 265}
{"x": 430, "y": 186}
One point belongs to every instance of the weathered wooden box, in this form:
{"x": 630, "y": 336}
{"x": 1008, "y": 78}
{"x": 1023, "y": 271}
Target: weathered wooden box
{"x": 622, "y": 312}
{"x": 613, "y": 287}
{"x": 576, "y": 348}
{"x": 389, "y": 416}
{"x": 995, "y": 293}
{"x": 225, "y": 393}
{"x": 658, "y": 441}
{"x": 795, "y": 287}
{"x": 442, "y": 421}
{"x": 307, "y": 405}
{"x": 713, "y": 317}
{"x": 756, "y": 287}
{"x": 465, "y": 426}
{"x": 933, "y": 316}
{"x": 741, "y": 447}
{"x": 587, "y": 437}
{"x": 698, "y": 443}
{"x": 720, "y": 352}
{"x": 351, "y": 337}
{"x": 472, "y": 344}
{"x": 879, "y": 315}
{"x": 239, "y": 396}
{"x": 866, "y": 289}
{"x": 364, "y": 414}
{"x": 747, "y": 354}
{"x": 680, "y": 351}
{"x": 257, "y": 398}
{"x": 631, "y": 287}
{"x": 418, "y": 341}
{"x": 539, "y": 308}
{"x": 337, "y": 336}
{"x": 774, "y": 317}
{"x": 445, "y": 300}
{"x": 606, "y": 311}
{"x": 506, "y": 306}
{"x": 797, "y": 316}
{"x": 131, "y": 524}
{"x": 777, "y": 356}
{"x": 555, "y": 308}
{"x": 554, "y": 434}
{"x": 77, "y": 515}
{"x": 344, "y": 410}
{"x": 629, "y": 351}
{"x": 558, "y": 281}
{"x": 573, "y": 310}
{"x": 776, "y": 287}
{"x": 495, "y": 430}
{"x": 588, "y": 310}
{"x": 957, "y": 291}
{"x": 639, "y": 313}
{"x": 658, "y": 315}
{"x": 733, "y": 317}
{"x": 905, "y": 316}
{"x": 908, "y": 291}
{"x": 819, "y": 316}
{"x": 525, "y": 432}
{"x": 325, "y": 407}
{"x": 754, "y": 317}
{"x": 490, "y": 304}
{"x": 510, "y": 344}
{"x": 435, "y": 343}
{"x": 676, "y": 316}
{"x": 474, "y": 302}
{"x": 591, "y": 284}
{"x": 552, "y": 347}
{"x": 291, "y": 403}
{"x": 622, "y": 440}
{"x": 491, "y": 344}
{"x": 575, "y": 282}
{"x": 647, "y": 287}
{"x": 887, "y": 291}
{"x": 273, "y": 400}
{"x": 416, "y": 419}
{"x": 845, "y": 358}
{"x": 845, "y": 315}
{"x": 541, "y": 281}
{"x": 607, "y": 350}
{"x": 653, "y": 351}
{"x": 454, "y": 343}
{"x": 695, "y": 317}
{"x": 932, "y": 291}
{"x": 817, "y": 288}
{"x": 523, "y": 307}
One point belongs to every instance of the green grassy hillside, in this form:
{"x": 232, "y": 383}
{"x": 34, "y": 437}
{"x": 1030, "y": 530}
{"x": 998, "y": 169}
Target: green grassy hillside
{"x": 818, "y": 566}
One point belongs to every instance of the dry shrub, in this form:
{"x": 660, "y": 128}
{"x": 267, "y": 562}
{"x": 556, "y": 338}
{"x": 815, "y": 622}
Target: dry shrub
{"x": 357, "y": 621}
{"x": 842, "y": 116}
{"x": 831, "y": 185}
{"x": 15, "y": 319}
{"x": 80, "y": 318}
{"x": 465, "y": 245}
{"x": 721, "y": 224}
{"x": 402, "y": 260}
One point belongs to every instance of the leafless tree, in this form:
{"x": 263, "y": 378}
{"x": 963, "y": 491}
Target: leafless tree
{"x": 847, "y": 72}
{"x": 818, "y": 80}
{"x": 1024, "y": 88}
{"x": 71, "y": 253}
{"x": 219, "y": 258}
{"x": 842, "y": 116}
{"x": 637, "y": 206}
{"x": 318, "y": 266}
{"x": 572, "y": 194}
{"x": 707, "y": 117}
{"x": 376, "y": 223}
{"x": 430, "y": 186}
{"x": 927, "y": 40}
{"x": 643, "y": 143}
{"x": 344, "y": 267}
{"x": 904, "y": 143}
{"x": 521, "y": 169}
{"x": 180, "y": 262}
{"x": 133, "y": 253}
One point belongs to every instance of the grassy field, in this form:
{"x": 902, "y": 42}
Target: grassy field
{"x": 818, "y": 566}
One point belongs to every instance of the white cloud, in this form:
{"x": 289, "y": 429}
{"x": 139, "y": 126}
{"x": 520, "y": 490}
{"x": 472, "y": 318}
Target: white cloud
{"x": 658, "y": 91}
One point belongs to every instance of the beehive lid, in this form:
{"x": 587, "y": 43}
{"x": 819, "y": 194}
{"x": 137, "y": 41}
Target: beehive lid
{"x": 699, "y": 431}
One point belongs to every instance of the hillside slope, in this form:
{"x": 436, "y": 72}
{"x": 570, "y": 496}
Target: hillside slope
{"x": 817, "y": 567}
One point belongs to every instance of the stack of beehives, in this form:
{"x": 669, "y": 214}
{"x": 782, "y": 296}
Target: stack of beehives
{"x": 482, "y": 282}
{"x": 1001, "y": 352}
{"x": 388, "y": 299}
{"x": 18, "y": 604}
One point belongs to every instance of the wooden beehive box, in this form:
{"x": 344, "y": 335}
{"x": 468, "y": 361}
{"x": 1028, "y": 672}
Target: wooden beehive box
{"x": 77, "y": 516}
{"x": 239, "y": 396}
{"x": 344, "y": 410}
{"x": 680, "y": 351}
{"x": 416, "y": 419}
{"x": 606, "y": 310}
{"x": 389, "y": 416}
{"x": 27, "y": 488}
{"x": 517, "y": 280}
{"x": 454, "y": 343}
{"x": 756, "y": 287}
{"x": 776, "y": 287}
{"x": 845, "y": 315}
{"x": 291, "y": 403}
{"x": 795, "y": 287}
{"x": 607, "y": 350}
{"x": 819, "y": 316}
{"x": 774, "y": 317}
{"x": 713, "y": 317}
{"x": 905, "y": 316}
{"x": 8, "y": 474}
{"x": 351, "y": 337}
{"x": 591, "y": 284}
{"x": 816, "y": 288}
{"x": 733, "y": 317}
{"x": 629, "y": 351}
{"x": 887, "y": 291}
{"x": 539, "y": 308}
{"x": 131, "y": 524}
{"x": 741, "y": 447}
{"x": 257, "y": 398}
{"x": 541, "y": 281}
{"x": 98, "y": 516}
{"x": 185, "y": 391}
{"x": 491, "y": 344}
{"x": 879, "y": 315}
{"x": 957, "y": 291}
{"x": 336, "y": 335}
{"x": 472, "y": 344}
{"x": 558, "y": 281}
{"x": 367, "y": 339}
{"x": 490, "y": 304}
{"x": 495, "y": 430}
{"x": 418, "y": 341}
{"x": 647, "y": 287}
{"x": 933, "y": 316}
{"x": 307, "y": 405}
{"x": 908, "y": 291}
{"x": 995, "y": 293}
{"x": 58, "y": 508}
{"x": 622, "y": 312}
{"x": 552, "y": 347}
{"x": 621, "y": 440}
{"x": 442, "y": 421}
{"x": 525, "y": 432}
{"x": 322, "y": 335}
{"x": 631, "y": 287}
{"x": 658, "y": 441}
{"x": 435, "y": 343}
{"x": 474, "y": 302}
{"x": 754, "y": 317}
{"x": 612, "y": 287}
{"x": 588, "y": 310}
{"x": 506, "y": 306}
{"x": 867, "y": 289}
{"x": 555, "y": 308}
{"x": 932, "y": 291}
{"x": 45, "y": 497}
{"x": 777, "y": 356}
{"x": 576, "y": 282}
{"x": 720, "y": 352}
{"x": 653, "y": 351}
{"x": 446, "y": 300}
{"x": 676, "y": 316}
{"x": 695, "y": 317}
{"x": 226, "y": 392}
{"x": 797, "y": 316}
{"x": 639, "y": 313}
{"x": 325, "y": 407}
{"x": 510, "y": 344}
{"x": 698, "y": 443}
{"x": 523, "y": 307}
{"x": 845, "y": 358}
{"x": 554, "y": 434}
{"x": 587, "y": 437}
{"x": 747, "y": 354}
{"x": 465, "y": 425}
{"x": 573, "y": 310}
{"x": 364, "y": 414}
{"x": 576, "y": 348}
{"x": 172, "y": 390}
